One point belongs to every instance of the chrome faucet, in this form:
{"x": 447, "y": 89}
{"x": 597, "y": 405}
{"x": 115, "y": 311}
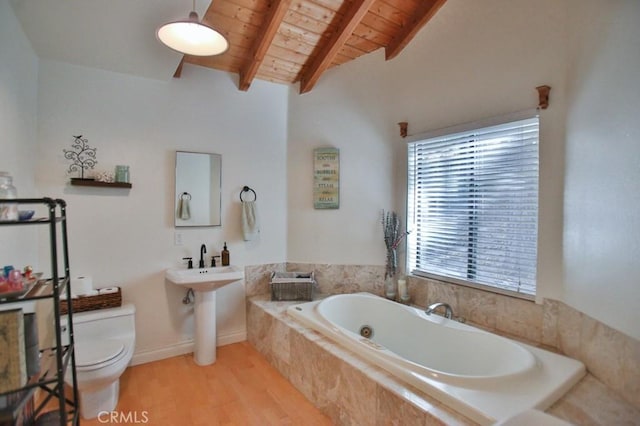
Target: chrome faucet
{"x": 203, "y": 250}
{"x": 448, "y": 312}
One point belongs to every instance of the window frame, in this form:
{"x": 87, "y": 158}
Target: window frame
{"x": 470, "y": 127}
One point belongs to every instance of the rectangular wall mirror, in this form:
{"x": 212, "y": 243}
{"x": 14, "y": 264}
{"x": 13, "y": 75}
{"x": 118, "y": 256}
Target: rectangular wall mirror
{"x": 198, "y": 194}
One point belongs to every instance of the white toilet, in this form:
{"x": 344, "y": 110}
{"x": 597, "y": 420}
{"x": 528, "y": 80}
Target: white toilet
{"x": 104, "y": 344}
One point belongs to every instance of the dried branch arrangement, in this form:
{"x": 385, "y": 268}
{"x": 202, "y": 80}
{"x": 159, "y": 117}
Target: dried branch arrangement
{"x": 392, "y": 239}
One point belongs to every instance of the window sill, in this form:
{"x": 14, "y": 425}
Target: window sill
{"x": 487, "y": 289}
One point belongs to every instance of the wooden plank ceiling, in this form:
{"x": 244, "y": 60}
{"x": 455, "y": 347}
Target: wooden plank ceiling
{"x": 289, "y": 41}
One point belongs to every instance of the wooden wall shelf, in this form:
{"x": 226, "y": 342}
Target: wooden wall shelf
{"x": 87, "y": 182}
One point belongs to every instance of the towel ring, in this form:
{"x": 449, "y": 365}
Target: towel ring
{"x": 247, "y": 189}
{"x": 185, "y": 196}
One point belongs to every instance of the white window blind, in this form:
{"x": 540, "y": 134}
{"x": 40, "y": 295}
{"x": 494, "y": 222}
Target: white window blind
{"x": 472, "y": 206}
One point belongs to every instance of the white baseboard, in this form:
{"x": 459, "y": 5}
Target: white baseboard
{"x": 232, "y": 337}
{"x": 143, "y": 357}
{"x": 176, "y": 349}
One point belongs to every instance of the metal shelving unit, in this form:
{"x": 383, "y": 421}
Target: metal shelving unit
{"x": 54, "y": 361}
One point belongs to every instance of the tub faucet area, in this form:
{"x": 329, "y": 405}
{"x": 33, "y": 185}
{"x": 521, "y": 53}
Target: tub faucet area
{"x": 448, "y": 312}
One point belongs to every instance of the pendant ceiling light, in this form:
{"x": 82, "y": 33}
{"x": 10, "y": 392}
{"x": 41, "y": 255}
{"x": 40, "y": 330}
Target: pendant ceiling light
{"x": 192, "y": 37}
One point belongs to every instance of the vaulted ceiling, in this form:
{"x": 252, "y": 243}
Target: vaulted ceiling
{"x": 283, "y": 41}
{"x": 289, "y": 41}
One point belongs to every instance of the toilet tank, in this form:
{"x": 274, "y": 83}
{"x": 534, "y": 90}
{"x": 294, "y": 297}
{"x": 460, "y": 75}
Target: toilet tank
{"x": 104, "y": 323}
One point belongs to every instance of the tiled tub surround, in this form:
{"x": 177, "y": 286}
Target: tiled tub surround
{"x": 332, "y": 279}
{"x": 610, "y": 356}
{"x": 256, "y": 277}
{"x": 432, "y": 354}
{"x": 341, "y": 384}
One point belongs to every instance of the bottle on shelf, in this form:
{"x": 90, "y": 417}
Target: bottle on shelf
{"x": 8, "y": 210}
{"x": 122, "y": 174}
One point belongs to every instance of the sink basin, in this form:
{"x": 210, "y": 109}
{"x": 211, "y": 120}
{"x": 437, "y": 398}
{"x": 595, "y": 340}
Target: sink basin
{"x": 205, "y": 282}
{"x": 205, "y": 279}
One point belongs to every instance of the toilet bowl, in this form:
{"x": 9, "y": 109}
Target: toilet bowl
{"x": 104, "y": 344}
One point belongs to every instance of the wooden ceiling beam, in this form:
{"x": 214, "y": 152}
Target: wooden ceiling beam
{"x": 419, "y": 19}
{"x": 178, "y": 72}
{"x": 268, "y": 30}
{"x": 356, "y": 12}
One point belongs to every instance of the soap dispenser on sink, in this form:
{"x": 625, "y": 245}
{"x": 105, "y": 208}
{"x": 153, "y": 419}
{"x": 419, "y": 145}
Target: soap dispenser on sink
{"x": 225, "y": 255}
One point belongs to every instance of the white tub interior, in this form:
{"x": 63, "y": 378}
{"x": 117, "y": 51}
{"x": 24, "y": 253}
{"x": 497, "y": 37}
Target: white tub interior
{"x": 481, "y": 375}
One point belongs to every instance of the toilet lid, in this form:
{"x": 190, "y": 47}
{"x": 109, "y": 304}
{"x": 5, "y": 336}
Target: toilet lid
{"x": 92, "y": 353}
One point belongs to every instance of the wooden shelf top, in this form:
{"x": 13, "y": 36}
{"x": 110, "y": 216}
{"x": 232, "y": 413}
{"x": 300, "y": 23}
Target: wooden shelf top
{"x": 87, "y": 182}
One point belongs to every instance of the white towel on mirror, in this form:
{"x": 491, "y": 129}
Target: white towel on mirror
{"x": 250, "y": 222}
{"x": 184, "y": 211}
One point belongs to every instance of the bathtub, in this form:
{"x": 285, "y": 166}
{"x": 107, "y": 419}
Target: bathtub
{"x": 483, "y": 376}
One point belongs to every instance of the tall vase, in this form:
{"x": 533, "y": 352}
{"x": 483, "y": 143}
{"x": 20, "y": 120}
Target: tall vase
{"x": 390, "y": 289}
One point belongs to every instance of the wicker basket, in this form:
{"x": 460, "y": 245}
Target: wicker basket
{"x": 91, "y": 303}
{"x": 292, "y": 285}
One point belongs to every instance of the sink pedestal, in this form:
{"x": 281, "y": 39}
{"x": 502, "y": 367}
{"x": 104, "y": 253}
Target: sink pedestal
{"x": 205, "y": 327}
{"x": 204, "y": 282}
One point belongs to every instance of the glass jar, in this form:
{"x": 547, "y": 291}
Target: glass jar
{"x": 122, "y": 174}
{"x": 390, "y": 287}
{"x": 8, "y": 210}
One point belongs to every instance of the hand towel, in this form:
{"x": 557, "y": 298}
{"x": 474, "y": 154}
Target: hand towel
{"x": 250, "y": 222}
{"x": 184, "y": 211}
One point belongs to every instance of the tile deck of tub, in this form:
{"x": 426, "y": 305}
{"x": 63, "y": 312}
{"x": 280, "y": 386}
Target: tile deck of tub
{"x": 352, "y": 391}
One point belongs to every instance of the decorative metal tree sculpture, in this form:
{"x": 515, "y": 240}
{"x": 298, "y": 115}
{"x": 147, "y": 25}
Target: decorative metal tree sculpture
{"x": 82, "y": 156}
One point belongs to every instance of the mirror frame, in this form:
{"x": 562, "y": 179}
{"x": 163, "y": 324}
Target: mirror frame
{"x": 214, "y": 178}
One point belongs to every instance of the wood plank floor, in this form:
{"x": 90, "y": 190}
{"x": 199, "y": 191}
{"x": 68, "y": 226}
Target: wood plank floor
{"x": 241, "y": 388}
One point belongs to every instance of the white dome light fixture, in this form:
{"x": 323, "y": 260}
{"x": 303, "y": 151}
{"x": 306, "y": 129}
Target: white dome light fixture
{"x": 192, "y": 37}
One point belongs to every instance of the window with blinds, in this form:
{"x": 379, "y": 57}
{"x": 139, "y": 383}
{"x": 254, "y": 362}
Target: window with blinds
{"x": 472, "y": 206}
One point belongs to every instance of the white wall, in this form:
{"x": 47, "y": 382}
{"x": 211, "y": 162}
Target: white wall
{"x": 18, "y": 114}
{"x": 476, "y": 60}
{"x": 347, "y": 112}
{"x": 473, "y": 60}
{"x": 602, "y": 199}
{"x": 126, "y": 237}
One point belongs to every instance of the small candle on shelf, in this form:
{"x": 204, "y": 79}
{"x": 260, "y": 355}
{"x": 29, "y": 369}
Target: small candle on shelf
{"x": 402, "y": 289}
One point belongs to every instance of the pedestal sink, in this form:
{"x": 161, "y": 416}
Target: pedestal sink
{"x": 205, "y": 282}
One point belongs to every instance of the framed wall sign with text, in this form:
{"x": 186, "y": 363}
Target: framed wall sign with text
{"x": 326, "y": 178}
